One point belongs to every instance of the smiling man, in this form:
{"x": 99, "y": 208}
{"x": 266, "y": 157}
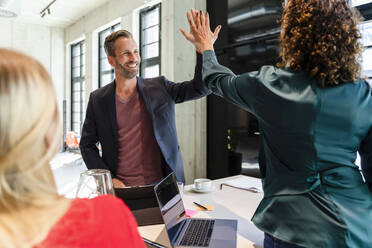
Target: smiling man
{"x": 133, "y": 119}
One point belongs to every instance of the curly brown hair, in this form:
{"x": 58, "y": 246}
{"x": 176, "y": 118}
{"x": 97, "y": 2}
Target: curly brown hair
{"x": 321, "y": 37}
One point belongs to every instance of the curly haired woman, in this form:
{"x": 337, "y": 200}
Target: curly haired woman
{"x": 315, "y": 114}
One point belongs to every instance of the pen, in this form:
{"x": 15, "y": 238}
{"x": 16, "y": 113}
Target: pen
{"x": 199, "y": 205}
{"x": 152, "y": 243}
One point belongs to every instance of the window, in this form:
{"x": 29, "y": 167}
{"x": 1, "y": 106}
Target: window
{"x": 77, "y": 86}
{"x": 359, "y": 2}
{"x": 366, "y": 30}
{"x": 106, "y": 72}
{"x": 150, "y": 41}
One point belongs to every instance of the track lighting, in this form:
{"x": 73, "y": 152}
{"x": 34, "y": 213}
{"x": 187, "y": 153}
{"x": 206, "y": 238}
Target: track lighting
{"x": 46, "y": 10}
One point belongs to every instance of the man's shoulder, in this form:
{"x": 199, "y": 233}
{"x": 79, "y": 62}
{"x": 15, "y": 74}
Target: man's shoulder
{"x": 154, "y": 80}
{"x": 103, "y": 91}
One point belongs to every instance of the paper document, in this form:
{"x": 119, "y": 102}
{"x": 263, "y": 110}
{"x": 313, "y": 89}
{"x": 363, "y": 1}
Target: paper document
{"x": 245, "y": 183}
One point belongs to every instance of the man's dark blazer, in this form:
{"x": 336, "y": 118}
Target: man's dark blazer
{"x": 159, "y": 95}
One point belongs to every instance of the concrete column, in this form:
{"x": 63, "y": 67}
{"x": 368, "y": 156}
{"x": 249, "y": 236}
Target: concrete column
{"x": 178, "y": 64}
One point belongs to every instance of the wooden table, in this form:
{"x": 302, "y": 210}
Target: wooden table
{"x": 229, "y": 203}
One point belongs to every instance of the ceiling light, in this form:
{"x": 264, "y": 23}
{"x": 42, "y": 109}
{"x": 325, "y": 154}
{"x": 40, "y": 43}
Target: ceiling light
{"x": 10, "y": 8}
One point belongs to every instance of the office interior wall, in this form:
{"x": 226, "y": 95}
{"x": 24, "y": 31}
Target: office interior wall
{"x": 45, "y": 44}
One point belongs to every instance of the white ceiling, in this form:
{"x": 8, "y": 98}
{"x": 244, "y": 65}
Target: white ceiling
{"x": 63, "y": 12}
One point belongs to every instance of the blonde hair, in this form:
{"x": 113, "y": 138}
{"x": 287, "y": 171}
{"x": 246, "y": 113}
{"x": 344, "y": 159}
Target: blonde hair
{"x": 29, "y": 202}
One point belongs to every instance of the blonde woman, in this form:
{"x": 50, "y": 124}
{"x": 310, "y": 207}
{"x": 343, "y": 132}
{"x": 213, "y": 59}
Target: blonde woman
{"x": 32, "y": 214}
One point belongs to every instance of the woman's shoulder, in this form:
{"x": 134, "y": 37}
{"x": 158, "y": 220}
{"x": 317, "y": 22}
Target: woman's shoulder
{"x": 96, "y": 211}
{"x": 268, "y": 73}
{"x": 273, "y": 78}
{"x": 99, "y": 200}
{"x": 97, "y": 222}
{"x": 103, "y": 204}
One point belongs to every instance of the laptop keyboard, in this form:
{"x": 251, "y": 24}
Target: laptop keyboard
{"x": 198, "y": 233}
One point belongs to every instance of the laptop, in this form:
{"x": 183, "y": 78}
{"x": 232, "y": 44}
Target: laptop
{"x": 191, "y": 232}
{"x": 142, "y": 202}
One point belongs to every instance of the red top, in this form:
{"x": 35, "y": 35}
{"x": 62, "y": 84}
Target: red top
{"x": 140, "y": 158}
{"x": 104, "y": 221}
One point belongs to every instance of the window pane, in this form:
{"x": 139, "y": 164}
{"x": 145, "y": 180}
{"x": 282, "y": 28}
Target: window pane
{"x": 116, "y": 27}
{"x": 150, "y": 42}
{"x": 75, "y": 50}
{"x": 359, "y": 2}
{"x": 367, "y": 63}
{"x": 151, "y": 18}
{"x": 76, "y": 86}
{"x": 76, "y": 107}
{"x": 366, "y": 30}
{"x": 76, "y": 72}
{"x": 105, "y": 66}
{"x": 152, "y": 71}
{"x": 76, "y": 127}
{"x": 102, "y": 53}
{"x": 83, "y": 59}
{"x": 103, "y": 35}
{"x": 76, "y": 96}
{"x": 106, "y": 79}
{"x": 83, "y": 98}
{"x": 76, "y": 117}
{"x": 76, "y": 61}
{"x": 151, "y": 51}
{"x": 83, "y": 70}
{"x": 151, "y": 35}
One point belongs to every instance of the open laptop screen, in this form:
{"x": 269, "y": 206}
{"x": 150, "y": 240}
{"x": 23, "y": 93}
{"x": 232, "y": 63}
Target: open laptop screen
{"x": 171, "y": 205}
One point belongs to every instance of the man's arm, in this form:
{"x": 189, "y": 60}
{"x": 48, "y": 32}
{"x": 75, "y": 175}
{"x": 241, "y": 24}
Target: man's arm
{"x": 365, "y": 152}
{"x": 89, "y": 139}
{"x": 189, "y": 90}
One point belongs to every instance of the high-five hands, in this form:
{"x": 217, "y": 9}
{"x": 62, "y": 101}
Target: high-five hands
{"x": 200, "y": 33}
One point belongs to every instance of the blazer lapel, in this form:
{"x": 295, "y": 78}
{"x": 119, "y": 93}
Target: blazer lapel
{"x": 144, "y": 96}
{"x": 111, "y": 107}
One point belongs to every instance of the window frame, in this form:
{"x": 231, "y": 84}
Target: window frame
{"x": 100, "y": 45}
{"x": 80, "y": 79}
{"x": 154, "y": 60}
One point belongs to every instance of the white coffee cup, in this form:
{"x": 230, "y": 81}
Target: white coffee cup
{"x": 203, "y": 184}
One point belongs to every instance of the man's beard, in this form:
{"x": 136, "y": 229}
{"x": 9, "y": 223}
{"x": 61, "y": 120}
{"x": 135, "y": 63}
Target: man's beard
{"x": 124, "y": 72}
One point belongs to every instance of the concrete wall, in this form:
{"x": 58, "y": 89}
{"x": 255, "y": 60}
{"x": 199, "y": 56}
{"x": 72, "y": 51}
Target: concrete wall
{"x": 178, "y": 62}
{"x": 46, "y": 44}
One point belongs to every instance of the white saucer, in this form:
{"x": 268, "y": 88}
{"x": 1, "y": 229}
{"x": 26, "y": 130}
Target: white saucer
{"x": 202, "y": 190}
